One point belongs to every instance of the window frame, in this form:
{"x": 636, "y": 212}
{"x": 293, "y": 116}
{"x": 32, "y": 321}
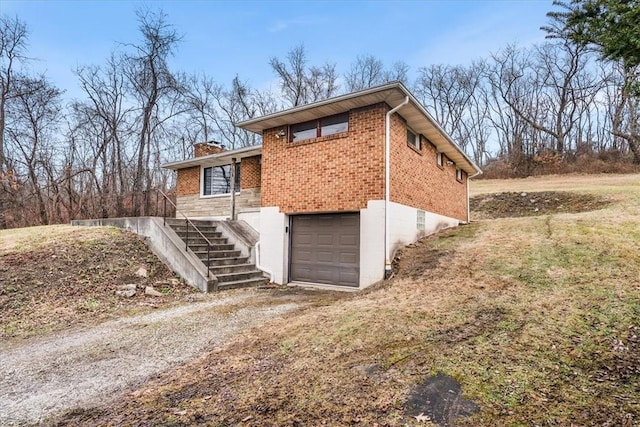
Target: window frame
{"x": 418, "y": 139}
{"x": 319, "y": 126}
{"x": 202, "y": 182}
{"x": 440, "y": 160}
{"x": 459, "y": 174}
{"x": 421, "y": 220}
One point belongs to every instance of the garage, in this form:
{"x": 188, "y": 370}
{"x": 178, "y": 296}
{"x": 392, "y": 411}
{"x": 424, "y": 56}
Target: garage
{"x": 325, "y": 248}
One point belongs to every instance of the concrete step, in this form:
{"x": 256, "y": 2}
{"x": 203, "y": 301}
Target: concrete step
{"x": 225, "y": 261}
{"x": 242, "y": 284}
{"x": 202, "y": 254}
{"x": 193, "y": 234}
{"x": 201, "y": 242}
{"x": 202, "y": 247}
{"x": 181, "y": 222}
{"x": 238, "y": 276}
{"x": 231, "y": 268}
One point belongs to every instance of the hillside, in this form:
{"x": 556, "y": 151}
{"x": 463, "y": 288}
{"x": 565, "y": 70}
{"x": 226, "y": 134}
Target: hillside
{"x": 536, "y": 317}
{"x": 56, "y": 277}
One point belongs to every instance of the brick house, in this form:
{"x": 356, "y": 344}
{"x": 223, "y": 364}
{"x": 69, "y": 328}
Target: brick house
{"x": 318, "y": 191}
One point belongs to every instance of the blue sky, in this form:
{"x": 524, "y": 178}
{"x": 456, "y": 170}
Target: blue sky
{"x": 225, "y": 38}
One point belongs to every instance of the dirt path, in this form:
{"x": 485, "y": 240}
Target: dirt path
{"x": 77, "y": 368}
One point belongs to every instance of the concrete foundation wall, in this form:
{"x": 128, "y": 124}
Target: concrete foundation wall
{"x": 274, "y": 238}
{"x": 372, "y": 243}
{"x": 403, "y": 227}
{"x": 252, "y": 218}
{"x": 274, "y": 244}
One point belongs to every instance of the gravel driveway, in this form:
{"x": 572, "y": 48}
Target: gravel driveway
{"x": 45, "y": 376}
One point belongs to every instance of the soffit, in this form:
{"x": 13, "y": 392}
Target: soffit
{"x": 218, "y": 159}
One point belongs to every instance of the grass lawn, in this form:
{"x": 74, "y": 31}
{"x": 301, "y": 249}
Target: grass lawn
{"x": 538, "y": 318}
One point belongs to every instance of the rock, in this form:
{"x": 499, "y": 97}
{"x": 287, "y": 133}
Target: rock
{"x": 142, "y": 272}
{"x": 126, "y": 293}
{"x": 523, "y": 194}
{"x": 174, "y": 281}
{"x": 127, "y": 290}
{"x": 150, "y": 290}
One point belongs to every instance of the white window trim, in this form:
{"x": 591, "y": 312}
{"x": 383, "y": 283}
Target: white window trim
{"x": 440, "y": 159}
{"x": 214, "y": 196}
{"x": 418, "y": 139}
{"x": 459, "y": 174}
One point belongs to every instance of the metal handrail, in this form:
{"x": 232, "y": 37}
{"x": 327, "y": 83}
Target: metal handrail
{"x": 187, "y": 223}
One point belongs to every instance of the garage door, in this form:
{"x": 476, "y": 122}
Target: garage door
{"x": 326, "y": 249}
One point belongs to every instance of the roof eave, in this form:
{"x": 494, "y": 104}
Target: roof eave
{"x": 223, "y": 157}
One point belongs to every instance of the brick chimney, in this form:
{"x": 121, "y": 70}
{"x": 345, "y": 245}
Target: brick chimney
{"x": 205, "y": 148}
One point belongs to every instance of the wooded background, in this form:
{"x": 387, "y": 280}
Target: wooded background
{"x": 561, "y": 106}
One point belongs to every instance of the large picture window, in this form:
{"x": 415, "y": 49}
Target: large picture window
{"x": 217, "y": 180}
{"x": 323, "y": 127}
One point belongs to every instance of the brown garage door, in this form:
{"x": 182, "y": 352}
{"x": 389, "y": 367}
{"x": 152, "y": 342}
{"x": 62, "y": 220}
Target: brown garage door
{"x": 325, "y": 248}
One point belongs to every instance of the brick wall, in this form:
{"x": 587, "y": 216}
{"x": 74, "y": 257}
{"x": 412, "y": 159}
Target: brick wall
{"x": 336, "y": 173}
{"x": 188, "y": 180}
{"x": 205, "y": 148}
{"x": 250, "y": 172}
{"x": 418, "y": 181}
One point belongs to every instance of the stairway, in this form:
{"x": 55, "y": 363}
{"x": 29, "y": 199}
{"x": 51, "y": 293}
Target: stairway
{"x": 226, "y": 264}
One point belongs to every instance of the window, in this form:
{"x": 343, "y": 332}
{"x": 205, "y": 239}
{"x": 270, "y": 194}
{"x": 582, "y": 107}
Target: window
{"x": 323, "y": 127}
{"x": 217, "y": 180}
{"x": 413, "y": 139}
{"x": 303, "y": 131}
{"x": 420, "y": 220}
{"x": 440, "y": 159}
{"x": 459, "y": 174}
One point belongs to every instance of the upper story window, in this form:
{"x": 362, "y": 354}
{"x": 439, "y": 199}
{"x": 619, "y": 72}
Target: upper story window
{"x": 413, "y": 139}
{"x": 217, "y": 180}
{"x": 459, "y": 174}
{"x": 440, "y": 159}
{"x": 322, "y": 127}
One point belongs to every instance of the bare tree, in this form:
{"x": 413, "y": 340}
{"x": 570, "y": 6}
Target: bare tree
{"x": 399, "y": 71}
{"x": 300, "y": 84}
{"x": 105, "y": 118}
{"x": 368, "y": 71}
{"x": 626, "y": 111}
{"x": 365, "y": 72}
{"x": 152, "y": 84}
{"x": 35, "y": 115}
{"x": 13, "y": 45}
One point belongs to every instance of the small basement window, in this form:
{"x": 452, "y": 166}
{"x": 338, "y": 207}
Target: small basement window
{"x": 413, "y": 139}
{"x": 322, "y": 127}
{"x": 217, "y": 180}
{"x": 420, "y": 220}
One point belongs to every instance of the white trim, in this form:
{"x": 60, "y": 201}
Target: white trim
{"x": 213, "y": 196}
{"x": 216, "y": 159}
{"x": 418, "y": 139}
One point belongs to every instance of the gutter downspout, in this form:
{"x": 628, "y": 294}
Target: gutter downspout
{"x": 387, "y": 175}
{"x": 468, "y": 204}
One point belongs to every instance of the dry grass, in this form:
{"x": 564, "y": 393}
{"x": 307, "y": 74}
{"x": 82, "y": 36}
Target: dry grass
{"x": 537, "y": 317}
{"x": 56, "y": 277}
